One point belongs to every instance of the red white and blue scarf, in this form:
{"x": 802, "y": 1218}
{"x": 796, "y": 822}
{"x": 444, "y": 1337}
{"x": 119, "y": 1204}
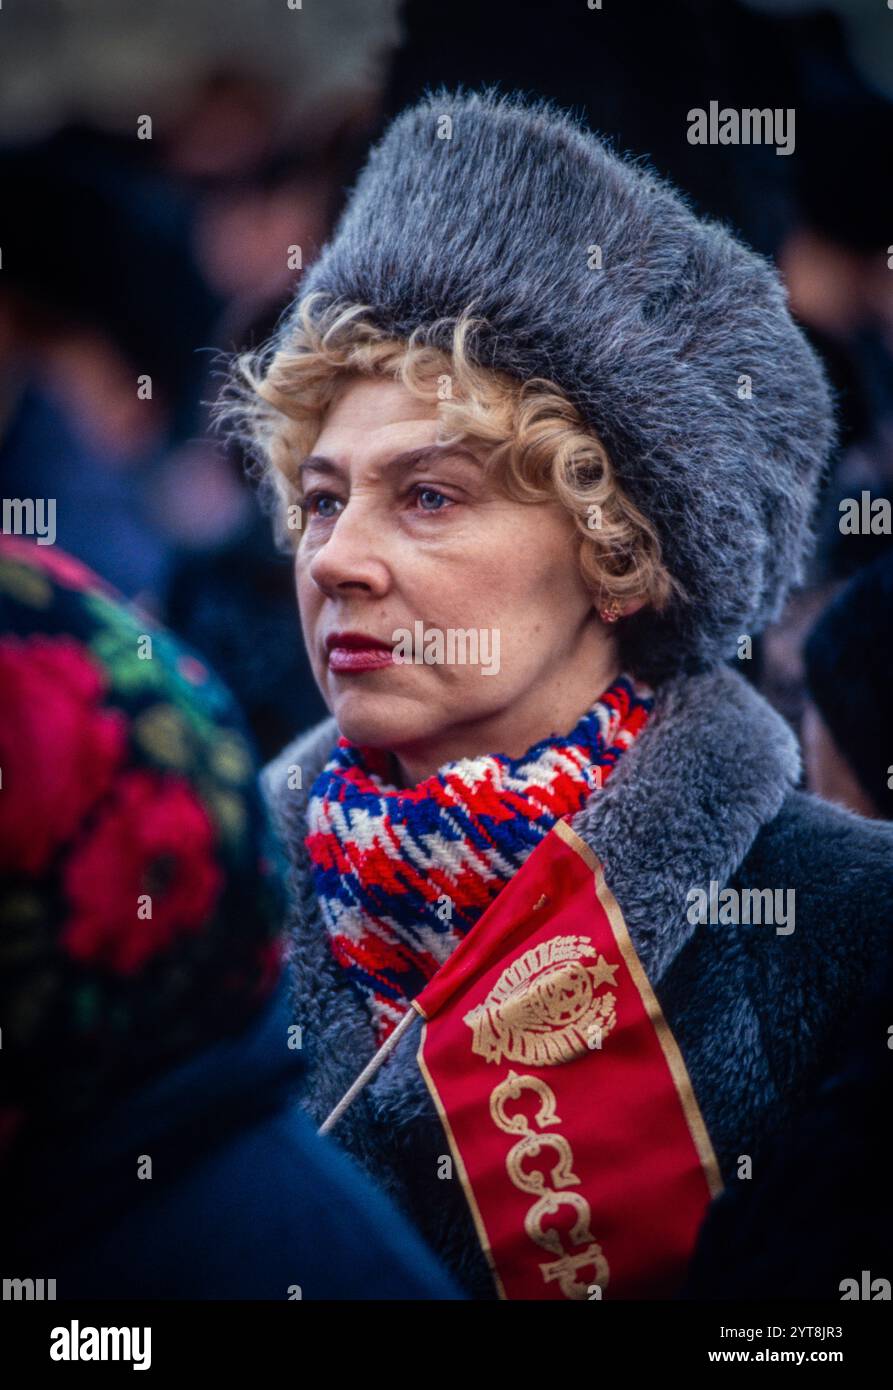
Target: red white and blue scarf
{"x": 403, "y": 874}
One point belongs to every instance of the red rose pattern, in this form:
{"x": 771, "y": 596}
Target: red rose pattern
{"x": 153, "y": 837}
{"x": 59, "y": 749}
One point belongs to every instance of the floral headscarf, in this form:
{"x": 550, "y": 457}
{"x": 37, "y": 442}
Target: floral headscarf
{"x": 140, "y": 888}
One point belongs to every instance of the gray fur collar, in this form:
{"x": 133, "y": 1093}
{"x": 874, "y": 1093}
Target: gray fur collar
{"x": 712, "y": 766}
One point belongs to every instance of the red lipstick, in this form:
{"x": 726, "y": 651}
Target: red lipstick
{"x": 357, "y": 651}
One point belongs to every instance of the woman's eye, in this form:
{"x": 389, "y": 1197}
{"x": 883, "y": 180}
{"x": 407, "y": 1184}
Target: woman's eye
{"x": 321, "y": 504}
{"x": 325, "y": 506}
{"x": 430, "y": 499}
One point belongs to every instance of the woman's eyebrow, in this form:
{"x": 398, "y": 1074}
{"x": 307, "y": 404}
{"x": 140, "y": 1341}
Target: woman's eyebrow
{"x": 403, "y": 462}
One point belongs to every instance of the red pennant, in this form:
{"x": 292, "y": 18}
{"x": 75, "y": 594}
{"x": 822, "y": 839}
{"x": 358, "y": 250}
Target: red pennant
{"x": 570, "y": 1113}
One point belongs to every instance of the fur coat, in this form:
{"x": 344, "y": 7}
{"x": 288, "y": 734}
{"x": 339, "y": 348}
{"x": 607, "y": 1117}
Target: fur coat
{"x": 708, "y": 793}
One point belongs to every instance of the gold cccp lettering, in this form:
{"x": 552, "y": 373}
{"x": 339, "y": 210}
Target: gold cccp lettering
{"x": 530, "y": 1179}
{"x": 511, "y": 1089}
{"x": 587, "y": 1253}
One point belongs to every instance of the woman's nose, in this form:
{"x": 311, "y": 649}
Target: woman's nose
{"x": 353, "y": 553}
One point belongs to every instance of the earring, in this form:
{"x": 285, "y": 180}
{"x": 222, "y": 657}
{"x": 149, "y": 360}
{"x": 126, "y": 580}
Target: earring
{"x": 612, "y": 612}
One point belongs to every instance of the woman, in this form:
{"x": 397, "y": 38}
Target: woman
{"x": 546, "y": 446}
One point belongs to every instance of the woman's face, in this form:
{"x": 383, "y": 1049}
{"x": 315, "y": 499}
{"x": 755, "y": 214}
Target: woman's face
{"x": 480, "y": 594}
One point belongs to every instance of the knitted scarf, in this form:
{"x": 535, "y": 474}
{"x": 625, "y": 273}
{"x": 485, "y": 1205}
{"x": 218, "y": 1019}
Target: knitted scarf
{"x": 402, "y": 875}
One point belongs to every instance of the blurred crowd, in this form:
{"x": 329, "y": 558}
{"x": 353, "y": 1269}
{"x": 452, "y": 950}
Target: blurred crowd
{"x": 145, "y": 254}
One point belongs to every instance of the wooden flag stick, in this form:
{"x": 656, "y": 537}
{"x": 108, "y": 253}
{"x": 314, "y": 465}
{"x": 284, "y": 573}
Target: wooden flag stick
{"x": 369, "y": 1070}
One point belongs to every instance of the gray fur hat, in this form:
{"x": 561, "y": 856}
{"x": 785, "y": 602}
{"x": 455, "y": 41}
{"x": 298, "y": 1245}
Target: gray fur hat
{"x": 678, "y": 351}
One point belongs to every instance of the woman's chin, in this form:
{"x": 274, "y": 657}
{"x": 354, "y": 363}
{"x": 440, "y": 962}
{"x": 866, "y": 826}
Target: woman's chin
{"x": 380, "y": 722}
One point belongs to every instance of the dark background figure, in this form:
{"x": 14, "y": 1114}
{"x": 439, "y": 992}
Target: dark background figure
{"x": 97, "y": 268}
{"x": 848, "y": 743}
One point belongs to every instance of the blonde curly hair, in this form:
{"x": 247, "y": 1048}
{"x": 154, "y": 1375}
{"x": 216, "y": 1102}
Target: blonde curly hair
{"x": 536, "y": 445}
